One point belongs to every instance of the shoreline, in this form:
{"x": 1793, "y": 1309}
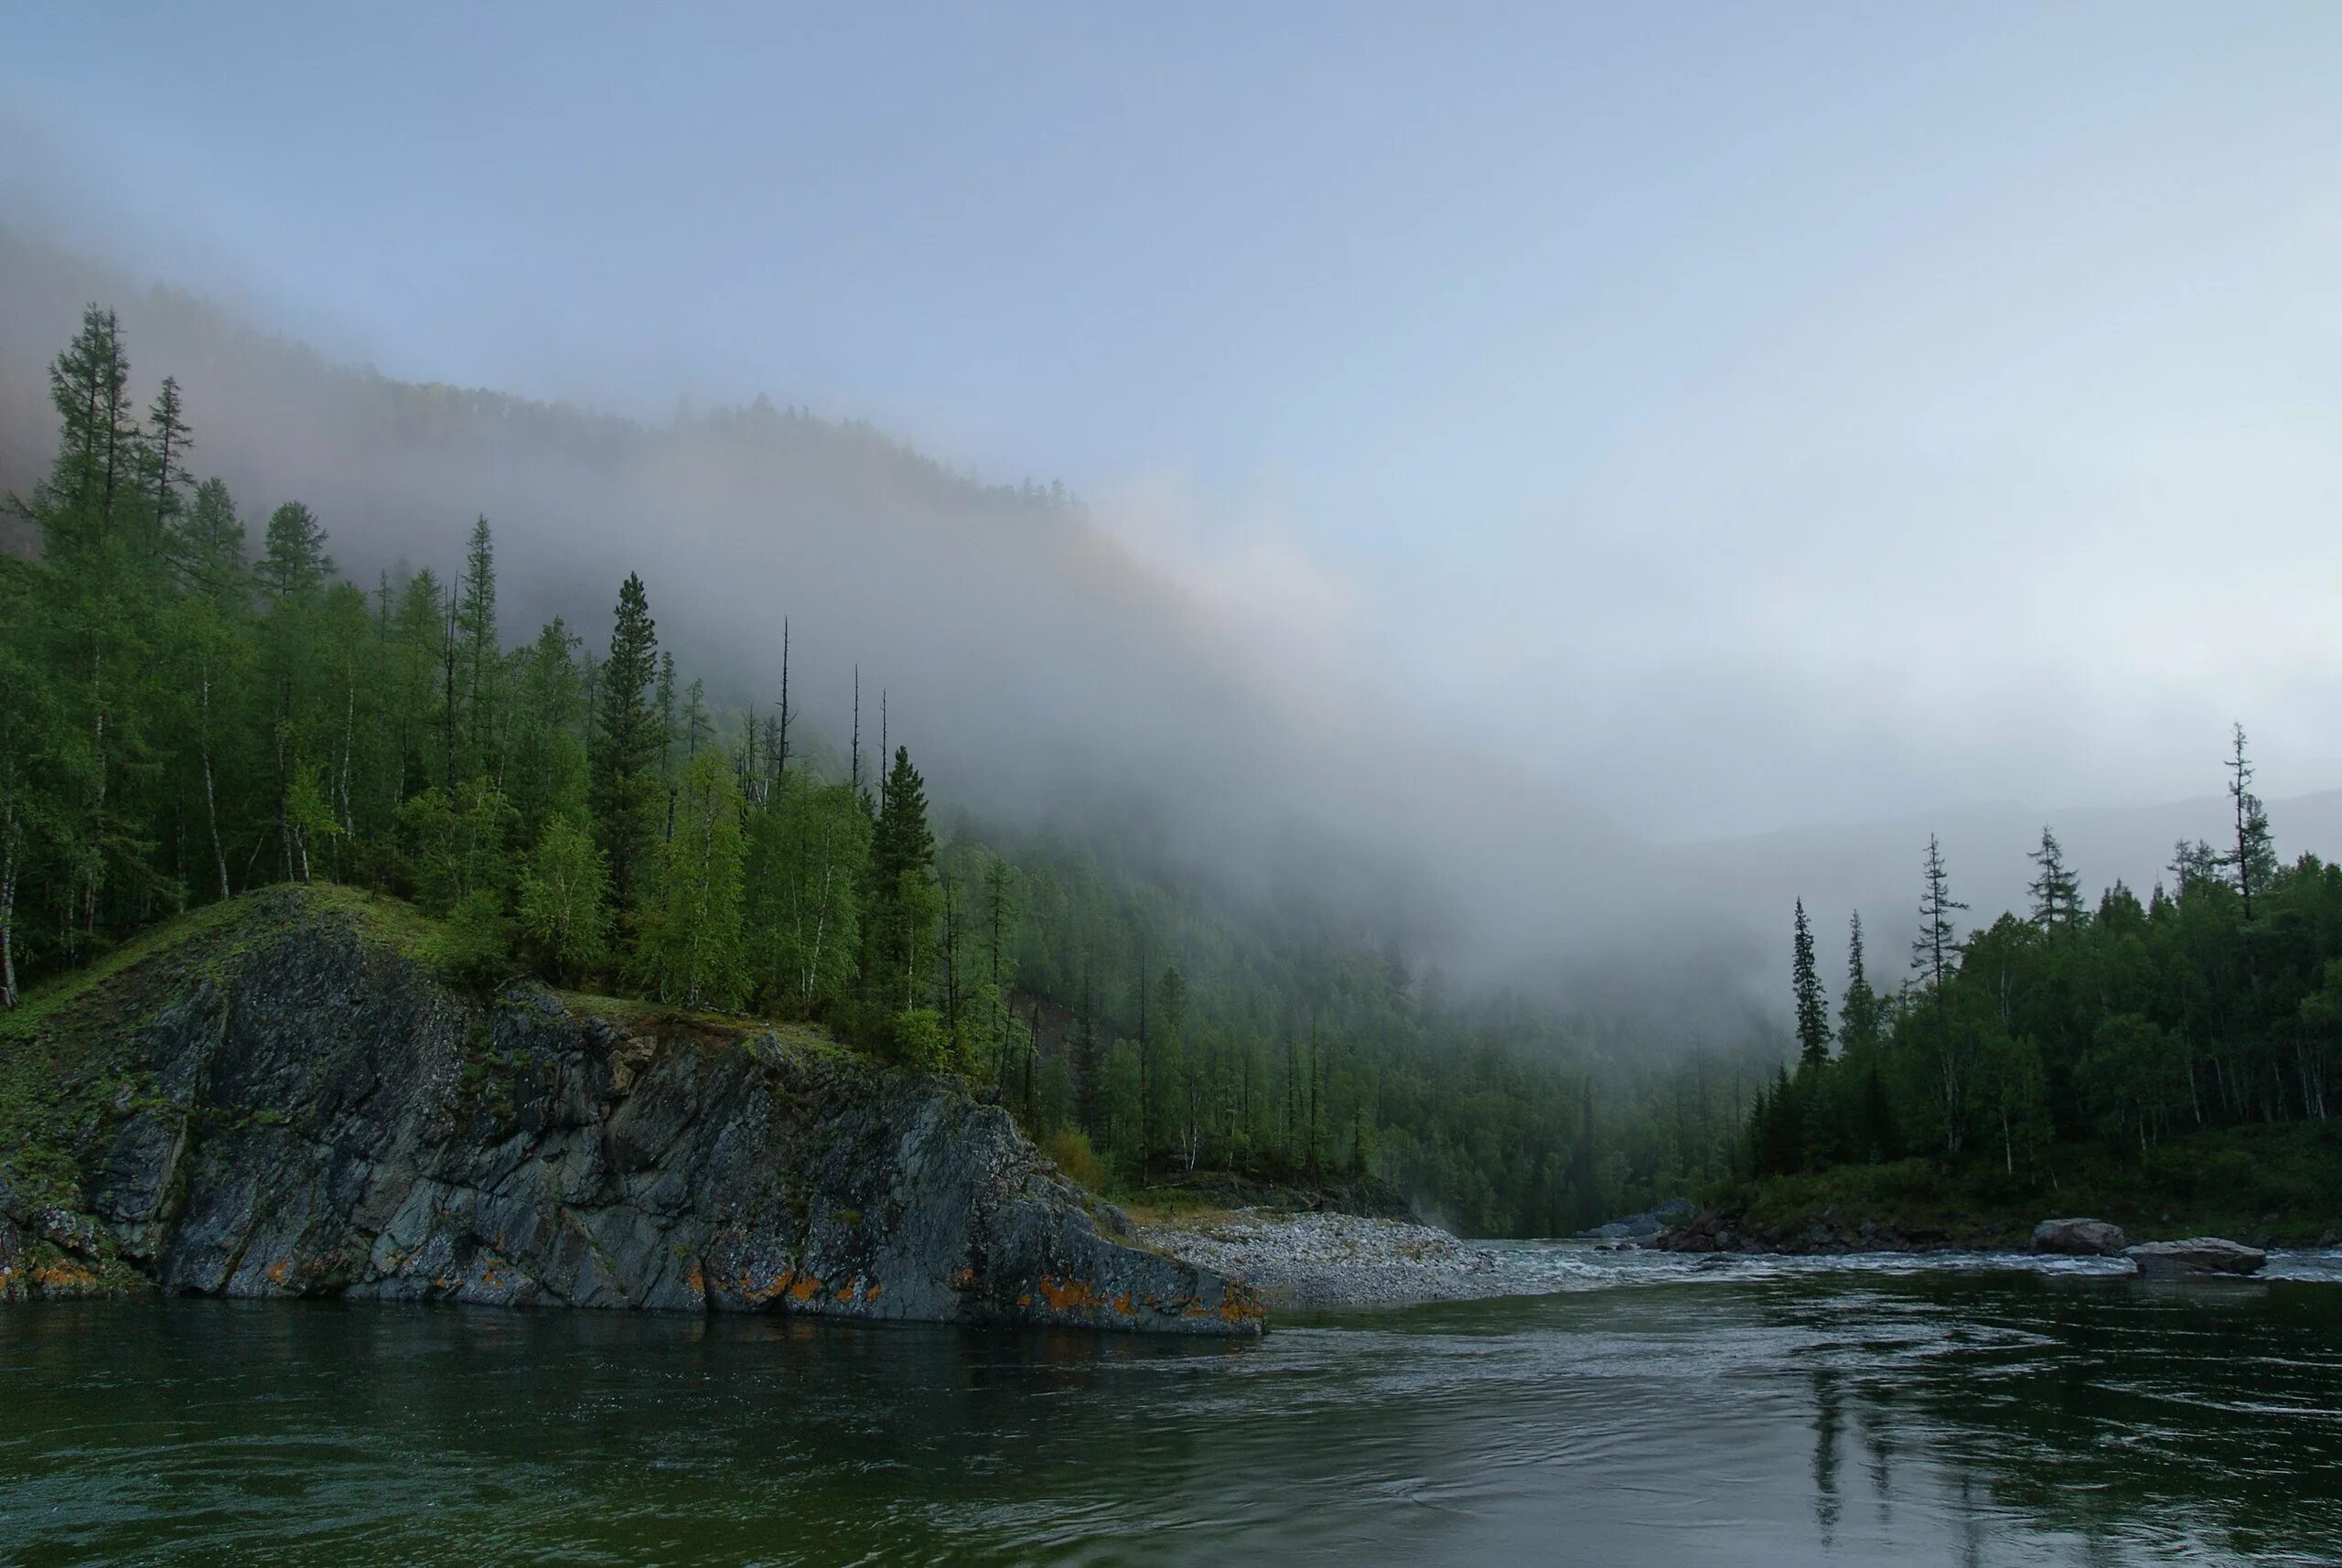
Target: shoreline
{"x": 1324, "y": 1260}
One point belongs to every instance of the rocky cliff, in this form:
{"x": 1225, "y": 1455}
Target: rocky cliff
{"x": 286, "y": 1102}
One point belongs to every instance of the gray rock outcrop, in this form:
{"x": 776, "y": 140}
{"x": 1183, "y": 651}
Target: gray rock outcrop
{"x": 2199, "y": 1255}
{"x": 2078, "y": 1238}
{"x": 307, "y": 1113}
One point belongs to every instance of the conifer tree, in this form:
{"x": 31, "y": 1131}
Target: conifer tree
{"x": 2253, "y": 861}
{"x": 206, "y": 546}
{"x": 163, "y": 465}
{"x": 1858, "y": 1014}
{"x": 2057, "y": 892}
{"x": 294, "y": 564}
{"x": 547, "y": 769}
{"x": 1813, "y": 1006}
{"x": 628, "y": 744}
{"x": 1935, "y": 953}
{"x": 901, "y": 900}
{"x": 664, "y": 701}
{"x": 480, "y": 659}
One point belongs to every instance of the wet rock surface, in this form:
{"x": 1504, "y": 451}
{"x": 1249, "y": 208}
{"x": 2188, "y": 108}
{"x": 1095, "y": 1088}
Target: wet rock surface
{"x": 321, "y": 1117}
{"x": 2078, "y": 1237}
{"x": 1641, "y": 1226}
{"x": 2199, "y": 1255}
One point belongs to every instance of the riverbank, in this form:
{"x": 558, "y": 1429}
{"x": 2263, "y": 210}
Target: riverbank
{"x": 1331, "y": 1260}
{"x": 2268, "y": 1186}
{"x": 283, "y": 1097}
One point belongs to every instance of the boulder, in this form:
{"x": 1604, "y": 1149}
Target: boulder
{"x": 1641, "y": 1226}
{"x": 2078, "y": 1238}
{"x": 2198, "y": 1255}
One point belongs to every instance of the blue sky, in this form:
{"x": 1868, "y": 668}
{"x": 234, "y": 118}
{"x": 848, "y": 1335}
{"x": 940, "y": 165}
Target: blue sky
{"x": 1852, "y": 408}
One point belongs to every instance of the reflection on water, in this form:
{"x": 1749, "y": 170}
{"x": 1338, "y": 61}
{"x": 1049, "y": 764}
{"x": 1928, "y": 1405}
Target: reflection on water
{"x": 1749, "y": 1417}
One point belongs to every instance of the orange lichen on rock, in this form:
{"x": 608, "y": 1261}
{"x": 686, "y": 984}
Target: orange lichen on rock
{"x": 805, "y": 1289}
{"x": 1069, "y": 1295}
{"x": 63, "y": 1276}
{"x": 747, "y": 1289}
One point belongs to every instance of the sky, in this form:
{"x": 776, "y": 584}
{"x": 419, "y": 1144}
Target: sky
{"x": 1744, "y": 415}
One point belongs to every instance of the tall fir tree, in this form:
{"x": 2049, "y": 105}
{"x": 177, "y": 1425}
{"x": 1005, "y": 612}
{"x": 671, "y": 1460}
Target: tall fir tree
{"x": 1934, "y": 954}
{"x": 1813, "y": 1006}
{"x": 628, "y": 744}
{"x": 479, "y": 661}
{"x": 1858, "y": 1011}
{"x": 901, "y": 900}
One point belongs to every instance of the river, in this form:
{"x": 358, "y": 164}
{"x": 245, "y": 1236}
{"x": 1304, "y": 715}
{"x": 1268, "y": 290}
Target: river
{"x": 1650, "y": 1410}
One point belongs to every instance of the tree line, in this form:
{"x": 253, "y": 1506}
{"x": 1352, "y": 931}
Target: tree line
{"x": 188, "y": 712}
{"x": 2217, "y": 1001}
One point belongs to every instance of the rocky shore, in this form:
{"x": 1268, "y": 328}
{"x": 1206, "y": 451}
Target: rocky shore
{"x": 1333, "y": 1260}
{"x": 1825, "y": 1235}
{"x": 288, "y": 1105}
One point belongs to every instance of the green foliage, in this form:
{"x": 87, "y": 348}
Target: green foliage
{"x": 1812, "y": 1008}
{"x": 902, "y": 899}
{"x": 1068, "y": 1149}
{"x": 691, "y": 951}
{"x": 919, "y": 1040}
{"x": 180, "y": 723}
{"x": 2069, "y": 1036}
{"x": 809, "y": 854}
{"x": 564, "y": 915}
{"x": 630, "y": 744}
{"x": 474, "y": 945}
{"x": 459, "y": 847}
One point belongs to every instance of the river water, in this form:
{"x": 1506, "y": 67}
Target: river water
{"x": 1650, "y": 1409}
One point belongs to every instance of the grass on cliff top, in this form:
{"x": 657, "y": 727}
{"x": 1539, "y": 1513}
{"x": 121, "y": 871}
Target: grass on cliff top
{"x": 107, "y": 998}
{"x": 66, "y": 1053}
{"x": 2279, "y": 1182}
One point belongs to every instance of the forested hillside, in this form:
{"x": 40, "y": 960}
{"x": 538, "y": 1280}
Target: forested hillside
{"x": 195, "y": 701}
{"x": 2215, "y": 1002}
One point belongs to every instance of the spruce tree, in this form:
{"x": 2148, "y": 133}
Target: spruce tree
{"x": 2057, "y": 892}
{"x": 1934, "y": 953}
{"x": 1813, "y": 1006}
{"x": 627, "y": 744}
{"x": 1858, "y": 1015}
{"x": 901, "y": 898}
{"x": 479, "y": 656}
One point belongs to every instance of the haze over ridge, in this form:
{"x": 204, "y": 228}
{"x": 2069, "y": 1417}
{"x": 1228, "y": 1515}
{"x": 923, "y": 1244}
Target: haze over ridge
{"x": 1738, "y": 420}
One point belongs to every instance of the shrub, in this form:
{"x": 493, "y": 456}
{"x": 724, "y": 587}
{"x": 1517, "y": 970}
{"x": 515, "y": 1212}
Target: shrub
{"x": 918, "y": 1039}
{"x": 1069, "y": 1148}
{"x": 476, "y": 944}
